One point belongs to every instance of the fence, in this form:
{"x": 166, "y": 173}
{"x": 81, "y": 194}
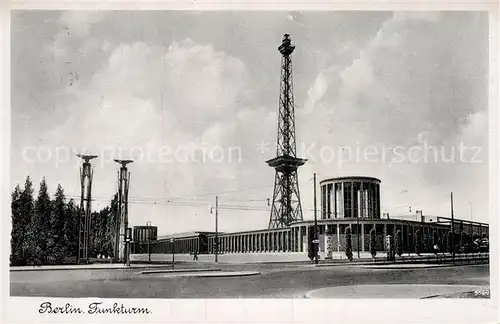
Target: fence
{"x": 462, "y": 258}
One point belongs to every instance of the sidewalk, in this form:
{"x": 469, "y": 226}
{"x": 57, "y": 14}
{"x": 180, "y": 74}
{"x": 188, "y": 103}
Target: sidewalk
{"x": 390, "y": 291}
{"x": 180, "y": 270}
{"x": 96, "y": 266}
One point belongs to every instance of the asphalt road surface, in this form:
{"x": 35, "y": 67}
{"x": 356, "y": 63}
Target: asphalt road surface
{"x": 276, "y": 280}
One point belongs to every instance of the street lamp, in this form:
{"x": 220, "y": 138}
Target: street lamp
{"x": 357, "y": 232}
{"x": 216, "y": 228}
{"x": 316, "y": 236}
{"x": 452, "y": 229}
{"x": 149, "y": 229}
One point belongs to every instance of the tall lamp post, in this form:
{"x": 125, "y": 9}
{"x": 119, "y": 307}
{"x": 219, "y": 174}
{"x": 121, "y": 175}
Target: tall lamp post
{"x": 148, "y": 223}
{"x": 357, "y": 232}
{"x": 216, "y": 228}
{"x": 471, "y": 229}
{"x": 86, "y": 175}
{"x": 122, "y": 238}
{"x": 316, "y": 236}
{"x": 452, "y": 230}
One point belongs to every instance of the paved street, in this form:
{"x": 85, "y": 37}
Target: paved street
{"x": 276, "y": 280}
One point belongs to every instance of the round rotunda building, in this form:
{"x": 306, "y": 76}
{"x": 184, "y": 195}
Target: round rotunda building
{"x": 350, "y": 197}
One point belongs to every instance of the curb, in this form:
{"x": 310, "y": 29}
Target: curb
{"x": 425, "y": 266}
{"x": 325, "y": 265}
{"x": 217, "y": 274}
{"x": 461, "y": 289}
{"x": 226, "y": 274}
{"x": 13, "y": 269}
{"x": 179, "y": 270}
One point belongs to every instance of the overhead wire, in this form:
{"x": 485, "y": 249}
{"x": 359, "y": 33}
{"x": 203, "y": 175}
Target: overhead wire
{"x": 192, "y": 200}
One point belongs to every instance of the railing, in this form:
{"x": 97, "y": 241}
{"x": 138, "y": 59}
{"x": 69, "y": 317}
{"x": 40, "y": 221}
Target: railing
{"x": 463, "y": 258}
{"x": 381, "y": 258}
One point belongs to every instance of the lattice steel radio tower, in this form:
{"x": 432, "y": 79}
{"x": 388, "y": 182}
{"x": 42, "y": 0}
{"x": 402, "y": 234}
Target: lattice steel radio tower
{"x": 86, "y": 175}
{"x": 121, "y": 246}
{"x": 286, "y": 207}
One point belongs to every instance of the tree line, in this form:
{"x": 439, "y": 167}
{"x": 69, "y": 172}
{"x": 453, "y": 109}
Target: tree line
{"x": 45, "y": 230}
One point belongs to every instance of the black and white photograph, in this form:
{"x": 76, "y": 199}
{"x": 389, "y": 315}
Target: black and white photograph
{"x": 249, "y": 154}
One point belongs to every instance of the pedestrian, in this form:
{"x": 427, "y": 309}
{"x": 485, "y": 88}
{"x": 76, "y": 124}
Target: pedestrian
{"x": 195, "y": 256}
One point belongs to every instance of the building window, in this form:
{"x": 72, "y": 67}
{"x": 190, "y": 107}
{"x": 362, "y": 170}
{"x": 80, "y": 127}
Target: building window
{"x": 324, "y": 202}
{"x": 347, "y": 200}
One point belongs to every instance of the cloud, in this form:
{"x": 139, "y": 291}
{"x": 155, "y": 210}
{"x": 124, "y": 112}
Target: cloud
{"x": 429, "y": 16}
{"x": 208, "y": 83}
{"x": 419, "y": 79}
{"x": 80, "y": 21}
{"x": 413, "y": 78}
{"x": 137, "y": 105}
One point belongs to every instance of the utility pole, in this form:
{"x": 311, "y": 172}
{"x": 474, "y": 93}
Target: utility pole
{"x": 316, "y": 236}
{"x": 216, "y": 228}
{"x": 148, "y": 223}
{"x": 357, "y": 232}
{"x": 452, "y": 230}
{"x": 471, "y": 232}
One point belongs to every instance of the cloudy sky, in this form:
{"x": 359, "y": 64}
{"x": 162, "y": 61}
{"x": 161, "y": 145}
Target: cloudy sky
{"x": 193, "y": 98}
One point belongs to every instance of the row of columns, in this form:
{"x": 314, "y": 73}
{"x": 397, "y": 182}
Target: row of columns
{"x": 276, "y": 241}
{"x": 289, "y": 240}
{"x": 294, "y": 239}
{"x": 350, "y": 199}
{"x": 186, "y": 244}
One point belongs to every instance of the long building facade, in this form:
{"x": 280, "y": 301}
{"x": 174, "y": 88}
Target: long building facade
{"x": 346, "y": 202}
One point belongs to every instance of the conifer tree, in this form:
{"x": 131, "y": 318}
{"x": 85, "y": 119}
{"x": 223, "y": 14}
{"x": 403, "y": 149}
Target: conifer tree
{"x": 449, "y": 242}
{"x": 16, "y": 233}
{"x": 56, "y": 242}
{"x": 373, "y": 248}
{"x": 418, "y": 242}
{"x": 26, "y": 211}
{"x": 311, "y": 251}
{"x": 39, "y": 229}
{"x": 464, "y": 241}
{"x": 398, "y": 242}
{"x": 348, "y": 243}
{"x": 104, "y": 232}
{"x": 435, "y": 239}
{"x": 113, "y": 217}
{"x": 70, "y": 228}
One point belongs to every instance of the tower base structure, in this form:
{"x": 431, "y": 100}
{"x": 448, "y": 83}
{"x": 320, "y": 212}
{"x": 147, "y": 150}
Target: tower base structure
{"x": 286, "y": 207}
